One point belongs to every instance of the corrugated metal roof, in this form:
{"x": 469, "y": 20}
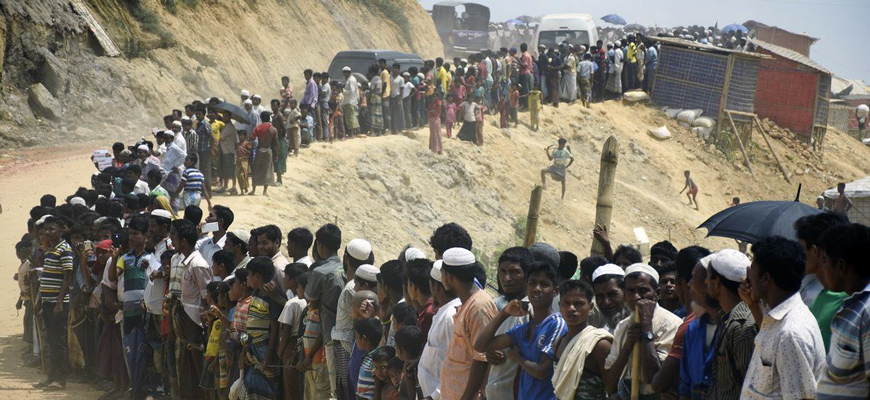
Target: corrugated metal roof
{"x": 791, "y": 55}
{"x": 705, "y": 47}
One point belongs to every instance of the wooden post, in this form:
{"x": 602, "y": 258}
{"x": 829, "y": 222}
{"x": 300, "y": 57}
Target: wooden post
{"x": 606, "y": 177}
{"x": 532, "y": 218}
{"x": 635, "y": 363}
{"x": 775, "y": 157}
{"x": 740, "y": 142}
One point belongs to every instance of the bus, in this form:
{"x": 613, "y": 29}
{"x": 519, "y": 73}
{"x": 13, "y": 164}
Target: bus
{"x": 576, "y": 29}
{"x": 462, "y": 26}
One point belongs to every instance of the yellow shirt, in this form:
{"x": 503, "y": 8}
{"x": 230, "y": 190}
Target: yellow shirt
{"x": 216, "y": 127}
{"x": 443, "y": 77}
{"x": 632, "y": 53}
{"x": 385, "y": 78}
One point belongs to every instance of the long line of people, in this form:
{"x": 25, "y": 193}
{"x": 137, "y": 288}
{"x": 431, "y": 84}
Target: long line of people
{"x": 128, "y": 296}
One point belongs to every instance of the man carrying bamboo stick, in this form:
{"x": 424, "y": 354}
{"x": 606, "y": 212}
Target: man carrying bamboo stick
{"x": 650, "y": 329}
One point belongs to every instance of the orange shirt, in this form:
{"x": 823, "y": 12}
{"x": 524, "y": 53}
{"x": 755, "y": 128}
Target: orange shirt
{"x": 470, "y": 319}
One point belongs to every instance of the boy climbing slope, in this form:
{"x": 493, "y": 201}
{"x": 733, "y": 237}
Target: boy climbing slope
{"x": 692, "y": 194}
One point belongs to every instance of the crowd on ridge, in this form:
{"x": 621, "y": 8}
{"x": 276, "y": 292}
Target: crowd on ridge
{"x": 137, "y": 301}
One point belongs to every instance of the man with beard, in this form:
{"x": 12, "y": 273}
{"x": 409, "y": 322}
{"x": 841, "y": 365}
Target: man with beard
{"x": 609, "y": 308}
{"x": 735, "y": 334}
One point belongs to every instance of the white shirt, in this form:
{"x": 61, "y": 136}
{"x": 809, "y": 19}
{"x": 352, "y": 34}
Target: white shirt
{"x": 500, "y": 383}
{"x": 343, "y": 329}
{"x": 396, "y": 86}
{"x": 154, "y": 289}
{"x": 810, "y": 289}
{"x": 180, "y": 141}
{"x": 467, "y": 109}
{"x": 409, "y": 87}
{"x": 435, "y": 351}
{"x": 174, "y": 157}
{"x": 207, "y": 247}
{"x": 292, "y": 311}
{"x": 789, "y": 355}
{"x": 351, "y": 91}
{"x": 141, "y": 187}
{"x": 195, "y": 277}
{"x": 305, "y": 260}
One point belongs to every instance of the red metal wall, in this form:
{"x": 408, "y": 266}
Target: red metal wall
{"x": 786, "y": 94}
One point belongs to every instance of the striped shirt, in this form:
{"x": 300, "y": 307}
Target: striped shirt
{"x": 56, "y": 261}
{"x": 847, "y": 373}
{"x": 193, "y": 179}
{"x": 240, "y": 317}
{"x": 176, "y": 271}
{"x": 204, "y": 139}
{"x": 309, "y": 336}
{"x": 365, "y": 387}
{"x": 734, "y": 341}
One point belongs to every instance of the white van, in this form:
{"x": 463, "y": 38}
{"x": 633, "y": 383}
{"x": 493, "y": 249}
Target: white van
{"x": 576, "y": 29}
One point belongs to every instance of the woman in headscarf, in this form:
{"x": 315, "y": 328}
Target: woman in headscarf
{"x": 162, "y": 202}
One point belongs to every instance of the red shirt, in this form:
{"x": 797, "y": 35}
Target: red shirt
{"x": 526, "y": 64}
{"x": 424, "y": 316}
{"x": 680, "y": 337}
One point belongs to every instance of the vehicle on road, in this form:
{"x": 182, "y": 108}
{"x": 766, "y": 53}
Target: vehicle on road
{"x": 576, "y": 29}
{"x": 360, "y": 61}
{"x": 462, "y": 26}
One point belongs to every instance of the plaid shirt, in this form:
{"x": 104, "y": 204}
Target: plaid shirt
{"x": 204, "y": 138}
{"x": 847, "y": 374}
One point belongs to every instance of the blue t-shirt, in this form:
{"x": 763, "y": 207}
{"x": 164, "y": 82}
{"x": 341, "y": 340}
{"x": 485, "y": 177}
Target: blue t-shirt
{"x": 353, "y": 367}
{"x": 541, "y": 342}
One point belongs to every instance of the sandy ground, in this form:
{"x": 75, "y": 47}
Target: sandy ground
{"x": 394, "y": 191}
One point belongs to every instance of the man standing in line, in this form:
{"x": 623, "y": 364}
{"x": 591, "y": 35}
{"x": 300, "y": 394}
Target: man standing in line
{"x": 324, "y": 289}
{"x": 204, "y": 144}
{"x": 526, "y": 78}
{"x": 789, "y": 354}
{"x": 350, "y": 103}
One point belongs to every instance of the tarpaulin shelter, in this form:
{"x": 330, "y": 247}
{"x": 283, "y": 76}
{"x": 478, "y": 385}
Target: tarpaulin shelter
{"x": 799, "y": 42}
{"x": 859, "y": 192}
{"x": 793, "y": 91}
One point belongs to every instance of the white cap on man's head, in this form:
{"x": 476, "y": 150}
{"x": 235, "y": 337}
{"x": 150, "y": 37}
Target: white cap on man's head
{"x": 607, "y": 269}
{"x": 346, "y": 69}
{"x": 458, "y": 257}
{"x": 435, "y": 273}
{"x": 641, "y": 267}
{"x": 413, "y": 253}
{"x": 359, "y": 249}
{"x": 256, "y": 96}
{"x": 169, "y": 132}
{"x": 143, "y": 147}
{"x": 249, "y": 102}
{"x": 77, "y": 201}
{"x": 245, "y": 93}
{"x": 177, "y": 123}
{"x": 368, "y": 272}
{"x": 161, "y": 213}
{"x": 243, "y": 235}
{"x": 731, "y": 264}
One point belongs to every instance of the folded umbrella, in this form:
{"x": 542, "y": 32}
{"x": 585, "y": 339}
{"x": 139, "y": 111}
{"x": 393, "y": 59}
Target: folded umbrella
{"x": 613, "y": 19}
{"x": 235, "y": 111}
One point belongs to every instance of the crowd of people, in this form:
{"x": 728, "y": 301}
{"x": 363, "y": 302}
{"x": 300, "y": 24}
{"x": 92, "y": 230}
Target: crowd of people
{"x": 125, "y": 294}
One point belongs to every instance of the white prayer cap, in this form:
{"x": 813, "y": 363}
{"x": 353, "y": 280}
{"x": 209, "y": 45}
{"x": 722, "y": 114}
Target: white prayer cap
{"x": 464, "y": 60}
{"x": 820, "y": 198}
{"x": 248, "y": 102}
{"x": 641, "y": 267}
{"x": 177, "y": 123}
{"x": 159, "y": 212}
{"x": 420, "y": 75}
{"x": 256, "y": 96}
{"x": 435, "y": 273}
{"x": 143, "y": 147}
{"x": 414, "y": 253}
{"x": 245, "y": 93}
{"x": 77, "y": 200}
{"x": 607, "y": 269}
{"x": 618, "y": 43}
{"x": 359, "y": 249}
{"x": 345, "y": 69}
{"x": 169, "y": 132}
{"x": 42, "y": 220}
{"x": 458, "y": 257}
{"x": 185, "y": 118}
{"x": 241, "y": 234}
{"x": 406, "y": 74}
{"x": 705, "y": 262}
{"x": 368, "y": 272}
{"x": 731, "y": 264}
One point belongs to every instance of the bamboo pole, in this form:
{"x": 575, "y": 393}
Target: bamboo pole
{"x": 606, "y": 177}
{"x": 775, "y": 157}
{"x": 532, "y": 218}
{"x": 635, "y": 363}
{"x": 740, "y": 142}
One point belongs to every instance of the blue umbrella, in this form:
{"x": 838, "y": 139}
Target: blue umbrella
{"x": 613, "y": 19}
{"x": 515, "y": 22}
{"x": 735, "y": 27}
{"x": 751, "y": 222}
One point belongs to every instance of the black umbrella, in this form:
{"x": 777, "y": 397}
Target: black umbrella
{"x": 751, "y": 222}
{"x": 235, "y": 111}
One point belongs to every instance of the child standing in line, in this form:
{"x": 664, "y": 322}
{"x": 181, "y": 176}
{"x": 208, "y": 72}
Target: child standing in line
{"x": 292, "y": 115}
{"x": 434, "y": 114}
{"x": 478, "y": 115}
{"x": 450, "y": 118}
{"x": 692, "y": 194}
{"x": 295, "y": 279}
{"x": 192, "y": 181}
{"x": 243, "y": 155}
{"x": 514, "y": 103}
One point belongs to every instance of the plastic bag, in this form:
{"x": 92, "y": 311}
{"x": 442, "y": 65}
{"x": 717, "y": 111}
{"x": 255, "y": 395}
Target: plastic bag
{"x": 702, "y": 132}
{"x": 661, "y": 133}
{"x": 672, "y": 112}
{"x": 635, "y": 95}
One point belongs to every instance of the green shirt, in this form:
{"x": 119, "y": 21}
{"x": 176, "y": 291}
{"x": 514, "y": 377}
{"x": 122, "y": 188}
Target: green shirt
{"x": 824, "y": 308}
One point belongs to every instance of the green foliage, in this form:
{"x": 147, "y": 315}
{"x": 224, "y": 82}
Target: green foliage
{"x": 392, "y": 10}
{"x": 150, "y": 21}
{"x": 489, "y": 260}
